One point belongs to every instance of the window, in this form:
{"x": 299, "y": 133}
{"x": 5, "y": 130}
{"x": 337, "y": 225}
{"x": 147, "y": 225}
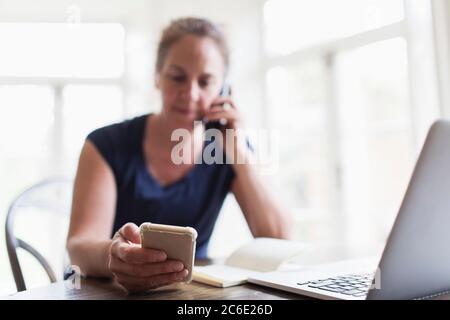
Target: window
{"x": 51, "y": 76}
{"x": 57, "y": 82}
{"x": 338, "y": 89}
{"x": 298, "y": 93}
{"x": 308, "y": 23}
{"x": 61, "y": 50}
{"x": 376, "y": 136}
{"x": 87, "y": 107}
{"x": 297, "y": 97}
{"x": 26, "y": 123}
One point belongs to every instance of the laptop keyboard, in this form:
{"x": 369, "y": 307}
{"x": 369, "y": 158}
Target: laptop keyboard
{"x": 356, "y": 285}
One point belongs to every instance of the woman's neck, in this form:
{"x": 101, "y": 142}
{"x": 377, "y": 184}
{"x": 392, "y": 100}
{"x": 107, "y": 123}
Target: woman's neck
{"x": 159, "y": 135}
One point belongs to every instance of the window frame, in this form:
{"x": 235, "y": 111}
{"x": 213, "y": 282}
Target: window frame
{"x": 413, "y": 30}
{"x": 58, "y": 85}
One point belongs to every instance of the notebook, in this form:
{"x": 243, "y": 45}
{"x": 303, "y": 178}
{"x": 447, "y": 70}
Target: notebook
{"x": 258, "y": 256}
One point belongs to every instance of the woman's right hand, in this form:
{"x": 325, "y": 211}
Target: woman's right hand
{"x": 140, "y": 269}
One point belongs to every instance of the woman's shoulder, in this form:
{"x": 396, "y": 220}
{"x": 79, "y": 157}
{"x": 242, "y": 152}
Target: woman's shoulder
{"x": 119, "y": 142}
{"x": 124, "y": 132}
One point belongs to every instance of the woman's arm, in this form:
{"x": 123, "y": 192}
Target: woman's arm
{"x": 265, "y": 217}
{"x": 89, "y": 243}
{"x": 93, "y": 209}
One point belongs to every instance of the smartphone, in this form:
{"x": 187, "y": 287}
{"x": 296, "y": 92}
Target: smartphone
{"x": 177, "y": 242}
{"x": 225, "y": 91}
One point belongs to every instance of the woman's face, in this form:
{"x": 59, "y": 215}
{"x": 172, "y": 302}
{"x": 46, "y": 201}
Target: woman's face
{"x": 190, "y": 79}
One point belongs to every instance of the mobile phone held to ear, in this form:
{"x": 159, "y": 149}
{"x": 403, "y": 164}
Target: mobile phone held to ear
{"x": 177, "y": 242}
{"x": 225, "y": 92}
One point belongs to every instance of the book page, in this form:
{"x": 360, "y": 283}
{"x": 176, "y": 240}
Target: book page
{"x": 222, "y": 275}
{"x": 265, "y": 254}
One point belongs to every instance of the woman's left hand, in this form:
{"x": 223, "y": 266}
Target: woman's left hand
{"x": 224, "y": 110}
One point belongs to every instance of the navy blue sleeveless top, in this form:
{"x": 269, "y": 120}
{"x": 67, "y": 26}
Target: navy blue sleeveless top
{"x": 195, "y": 200}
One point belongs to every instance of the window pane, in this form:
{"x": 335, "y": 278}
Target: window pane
{"x": 292, "y": 24}
{"x": 61, "y": 50}
{"x": 86, "y": 108}
{"x": 26, "y": 118}
{"x": 26, "y": 127}
{"x": 376, "y": 136}
{"x": 297, "y": 100}
{"x": 26, "y": 131}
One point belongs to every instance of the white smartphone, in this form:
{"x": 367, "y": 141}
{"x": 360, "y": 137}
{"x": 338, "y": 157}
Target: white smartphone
{"x": 177, "y": 242}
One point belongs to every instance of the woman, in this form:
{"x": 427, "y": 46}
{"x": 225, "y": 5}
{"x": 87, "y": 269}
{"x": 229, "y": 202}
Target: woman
{"x": 126, "y": 175}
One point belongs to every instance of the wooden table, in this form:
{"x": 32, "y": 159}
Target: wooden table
{"x": 102, "y": 289}
{"x": 94, "y": 288}
{"x": 107, "y": 289}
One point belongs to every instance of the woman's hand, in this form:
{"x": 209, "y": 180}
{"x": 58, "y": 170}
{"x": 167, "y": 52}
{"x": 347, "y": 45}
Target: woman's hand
{"x": 140, "y": 269}
{"x": 223, "y": 110}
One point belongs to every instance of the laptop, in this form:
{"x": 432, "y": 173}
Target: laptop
{"x": 415, "y": 262}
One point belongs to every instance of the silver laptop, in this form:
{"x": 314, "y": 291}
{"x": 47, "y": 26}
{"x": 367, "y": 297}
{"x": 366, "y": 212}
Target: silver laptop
{"x": 415, "y": 262}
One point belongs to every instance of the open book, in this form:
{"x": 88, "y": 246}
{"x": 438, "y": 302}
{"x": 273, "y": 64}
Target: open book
{"x": 259, "y": 255}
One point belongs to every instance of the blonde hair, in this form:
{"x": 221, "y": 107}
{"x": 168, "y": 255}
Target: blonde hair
{"x": 190, "y": 26}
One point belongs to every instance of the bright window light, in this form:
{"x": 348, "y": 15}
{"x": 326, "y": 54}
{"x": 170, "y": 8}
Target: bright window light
{"x": 26, "y": 119}
{"x": 298, "y": 97}
{"x": 88, "y": 107}
{"x": 376, "y": 135}
{"x": 90, "y": 50}
{"x": 293, "y": 24}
